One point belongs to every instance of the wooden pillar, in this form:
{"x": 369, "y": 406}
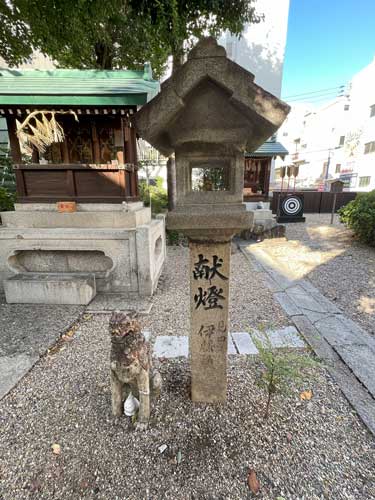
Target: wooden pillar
{"x": 13, "y": 140}
{"x": 267, "y": 177}
{"x": 15, "y": 150}
{"x": 95, "y": 142}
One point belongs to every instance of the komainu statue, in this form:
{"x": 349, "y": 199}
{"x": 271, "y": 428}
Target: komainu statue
{"x": 131, "y": 367}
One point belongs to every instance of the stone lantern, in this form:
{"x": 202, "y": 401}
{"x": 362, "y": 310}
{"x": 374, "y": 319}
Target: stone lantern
{"x": 208, "y": 113}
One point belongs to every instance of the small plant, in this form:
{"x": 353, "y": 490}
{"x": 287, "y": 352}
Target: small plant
{"x": 359, "y": 215}
{"x": 280, "y": 368}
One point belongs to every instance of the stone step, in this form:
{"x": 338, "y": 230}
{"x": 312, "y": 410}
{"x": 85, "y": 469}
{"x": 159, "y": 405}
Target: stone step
{"x": 48, "y": 288}
{"x": 173, "y": 346}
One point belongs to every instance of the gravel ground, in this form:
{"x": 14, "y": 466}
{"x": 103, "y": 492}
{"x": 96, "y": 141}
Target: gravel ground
{"x": 251, "y": 303}
{"x": 340, "y": 267}
{"x": 307, "y": 450}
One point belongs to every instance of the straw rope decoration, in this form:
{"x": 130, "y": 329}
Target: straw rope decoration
{"x": 43, "y": 132}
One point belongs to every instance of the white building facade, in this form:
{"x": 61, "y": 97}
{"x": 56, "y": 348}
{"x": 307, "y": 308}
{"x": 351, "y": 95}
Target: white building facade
{"x": 336, "y": 140}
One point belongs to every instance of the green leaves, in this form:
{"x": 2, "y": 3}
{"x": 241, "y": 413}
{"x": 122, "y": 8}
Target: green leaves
{"x": 359, "y": 215}
{"x": 280, "y": 368}
{"x": 115, "y": 34}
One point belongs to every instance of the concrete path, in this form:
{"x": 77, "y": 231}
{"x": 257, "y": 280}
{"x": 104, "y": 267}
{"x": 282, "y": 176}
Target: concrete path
{"x": 171, "y": 346}
{"x": 347, "y": 349}
{"x": 26, "y": 332}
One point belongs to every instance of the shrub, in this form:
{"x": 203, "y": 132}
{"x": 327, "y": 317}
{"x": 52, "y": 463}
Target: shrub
{"x": 7, "y": 200}
{"x": 154, "y": 195}
{"x": 359, "y": 215}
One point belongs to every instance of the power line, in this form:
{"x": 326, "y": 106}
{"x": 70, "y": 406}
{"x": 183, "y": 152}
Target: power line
{"x": 313, "y": 98}
{"x": 313, "y": 92}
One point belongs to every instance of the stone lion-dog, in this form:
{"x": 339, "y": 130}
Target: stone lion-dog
{"x": 131, "y": 367}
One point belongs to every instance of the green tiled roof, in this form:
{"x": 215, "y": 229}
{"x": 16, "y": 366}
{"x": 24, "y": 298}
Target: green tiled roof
{"x": 269, "y": 148}
{"x": 73, "y": 87}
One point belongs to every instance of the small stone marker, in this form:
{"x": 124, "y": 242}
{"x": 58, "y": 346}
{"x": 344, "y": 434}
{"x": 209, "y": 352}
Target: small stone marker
{"x": 208, "y": 113}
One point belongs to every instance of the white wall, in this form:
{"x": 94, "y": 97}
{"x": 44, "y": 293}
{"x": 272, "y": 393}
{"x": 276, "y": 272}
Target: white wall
{"x": 262, "y": 46}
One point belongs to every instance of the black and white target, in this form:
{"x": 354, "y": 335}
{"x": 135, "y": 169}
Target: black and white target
{"x": 292, "y": 206}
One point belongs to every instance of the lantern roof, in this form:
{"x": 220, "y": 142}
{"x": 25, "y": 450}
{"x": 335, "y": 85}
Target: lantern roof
{"x": 210, "y": 100}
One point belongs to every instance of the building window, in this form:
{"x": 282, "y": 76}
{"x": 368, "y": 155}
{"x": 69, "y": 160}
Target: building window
{"x": 346, "y": 107}
{"x": 285, "y": 134}
{"x": 342, "y": 140}
{"x": 370, "y": 147}
{"x": 304, "y": 146}
{"x": 372, "y": 110}
{"x": 364, "y": 182}
{"x": 338, "y": 168}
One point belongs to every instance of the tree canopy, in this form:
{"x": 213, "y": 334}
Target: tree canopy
{"x": 114, "y": 34}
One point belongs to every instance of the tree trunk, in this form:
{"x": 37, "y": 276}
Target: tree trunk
{"x": 104, "y": 56}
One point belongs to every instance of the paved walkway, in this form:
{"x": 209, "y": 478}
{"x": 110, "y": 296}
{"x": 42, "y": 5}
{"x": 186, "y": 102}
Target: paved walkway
{"x": 26, "y": 332}
{"x": 347, "y": 349}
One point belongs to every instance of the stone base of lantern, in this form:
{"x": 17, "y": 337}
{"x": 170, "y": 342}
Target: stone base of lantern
{"x": 120, "y": 245}
{"x": 209, "y": 289}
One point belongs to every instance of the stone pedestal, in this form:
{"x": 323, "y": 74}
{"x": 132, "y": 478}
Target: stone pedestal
{"x": 209, "y": 299}
{"x": 120, "y": 245}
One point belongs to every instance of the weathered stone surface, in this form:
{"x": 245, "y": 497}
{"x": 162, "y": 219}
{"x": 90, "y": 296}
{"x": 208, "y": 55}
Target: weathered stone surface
{"x": 82, "y": 207}
{"x": 83, "y": 219}
{"x": 260, "y": 232}
{"x": 12, "y": 369}
{"x": 322, "y": 348}
{"x": 244, "y": 343}
{"x": 336, "y": 332}
{"x": 287, "y": 304}
{"x": 361, "y": 360}
{"x": 171, "y": 346}
{"x": 286, "y": 337}
{"x": 122, "y": 260}
{"x": 244, "y": 113}
{"x": 356, "y": 394}
{"x": 304, "y": 300}
{"x": 209, "y": 320}
{"x": 38, "y": 288}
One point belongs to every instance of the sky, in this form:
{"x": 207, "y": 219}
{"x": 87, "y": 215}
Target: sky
{"x": 328, "y": 41}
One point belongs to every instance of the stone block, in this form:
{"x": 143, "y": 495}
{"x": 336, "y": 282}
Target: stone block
{"x": 82, "y": 219}
{"x": 361, "y": 360}
{"x": 38, "y": 288}
{"x": 171, "y": 346}
{"x": 286, "y": 337}
{"x": 335, "y": 330}
{"x": 244, "y": 343}
{"x": 287, "y": 304}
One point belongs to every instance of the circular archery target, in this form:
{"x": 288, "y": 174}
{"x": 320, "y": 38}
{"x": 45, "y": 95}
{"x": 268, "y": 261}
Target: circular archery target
{"x": 292, "y": 205}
